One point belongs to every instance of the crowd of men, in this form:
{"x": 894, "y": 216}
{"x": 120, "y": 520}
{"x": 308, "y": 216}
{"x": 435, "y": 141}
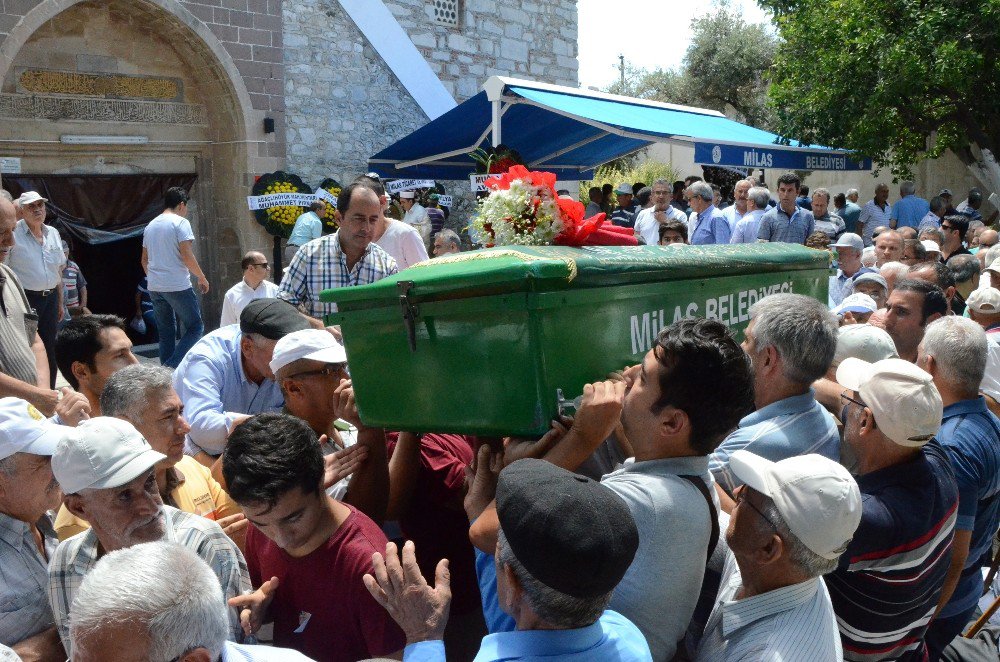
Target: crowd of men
{"x": 827, "y": 489}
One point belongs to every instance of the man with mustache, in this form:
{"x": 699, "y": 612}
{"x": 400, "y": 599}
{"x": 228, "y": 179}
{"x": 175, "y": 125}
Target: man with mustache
{"x": 107, "y": 471}
{"x": 27, "y": 540}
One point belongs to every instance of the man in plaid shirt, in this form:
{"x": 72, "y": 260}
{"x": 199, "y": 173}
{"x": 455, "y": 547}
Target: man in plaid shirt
{"x": 346, "y": 258}
{"x": 106, "y": 471}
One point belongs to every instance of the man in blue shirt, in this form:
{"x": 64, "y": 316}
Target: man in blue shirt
{"x": 954, "y": 352}
{"x": 910, "y": 209}
{"x": 564, "y": 539}
{"x": 225, "y": 378}
{"x": 847, "y": 210}
{"x": 308, "y": 226}
{"x": 787, "y": 221}
{"x": 710, "y": 226}
{"x": 791, "y": 340}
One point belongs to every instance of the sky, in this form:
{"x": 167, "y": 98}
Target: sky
{"x": 656, "y": 34}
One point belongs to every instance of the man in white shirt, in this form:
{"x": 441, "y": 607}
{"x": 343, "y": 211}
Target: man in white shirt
{"x": 416, "y": 216}
{"x": 746, "y": 228}
{"x": 168, "y": 260}
{"x": 254, "y": 285}
{"x": 647, "y": 223}
{"x": 38, "y": 260}
{"x": 400, "y": 240}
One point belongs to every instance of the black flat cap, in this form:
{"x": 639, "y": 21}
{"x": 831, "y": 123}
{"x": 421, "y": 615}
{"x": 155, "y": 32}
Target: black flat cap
{"x": 570, "y": 532}
{"x": 272, "y": 318}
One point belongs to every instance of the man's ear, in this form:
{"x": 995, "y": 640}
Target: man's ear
{"x": 80, "y": 371}
{"x": 197, "y": 655}
{"x": 75, "y": 505}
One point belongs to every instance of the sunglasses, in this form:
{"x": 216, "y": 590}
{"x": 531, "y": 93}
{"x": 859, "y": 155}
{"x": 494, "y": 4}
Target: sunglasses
{"x": 263, "y": 264}
{"x": 332, "y": 369}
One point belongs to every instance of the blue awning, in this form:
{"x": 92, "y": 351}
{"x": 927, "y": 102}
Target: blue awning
{"x": 571, "y": 131}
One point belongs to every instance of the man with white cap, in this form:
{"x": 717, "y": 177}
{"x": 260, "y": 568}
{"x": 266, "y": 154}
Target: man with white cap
{"x": 932, "y": 249}
{"x": 954, "y": 351}
{"x": 849, "y": 267}
{"x": 27, "y": 540}
{"x": 792, "y": 521}
{"x": 310, "y": 367}
{"x": 624, "y": 214}
{"x": 874, "y": 285}
{"x": 887, "y": 585}
{"x": 38, "y": 259}
{"x": 416, "y": 215}
{"x": 856, "y": 308}
{"x": 107, "y": 473}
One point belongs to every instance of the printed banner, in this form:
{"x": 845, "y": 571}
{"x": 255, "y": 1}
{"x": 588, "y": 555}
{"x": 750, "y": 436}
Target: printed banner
{"x": 476, "y": 181}
{"x": 323, "y": 194}
{"x": 256, "y": 202}
{"x": 444, "y": 200}
{"x": 706, "y": 153}
{"x": 398, "y": 185}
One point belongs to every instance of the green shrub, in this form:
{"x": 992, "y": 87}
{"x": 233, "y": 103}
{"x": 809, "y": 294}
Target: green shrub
{"x": 645, "y": 171}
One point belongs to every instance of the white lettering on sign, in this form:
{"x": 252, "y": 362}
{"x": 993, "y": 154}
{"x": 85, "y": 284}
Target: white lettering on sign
{"x": 10, "y": 165}
{"x": 323, "y": 194}
{"x": 444, "y": 200}
{"x": 408, "y": 184}
{"x": 731, "y": 309}
{"x": 478, "y": 182}
{"x": 256, "y": 202}
{"x": 826, "y": 163}
{"x": 752, "y": 157}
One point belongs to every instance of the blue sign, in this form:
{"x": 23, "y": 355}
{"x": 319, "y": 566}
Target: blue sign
{"x": 776, "y": 156}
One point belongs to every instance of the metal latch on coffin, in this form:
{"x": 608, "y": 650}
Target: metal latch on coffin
{"x": 410, "y": 312}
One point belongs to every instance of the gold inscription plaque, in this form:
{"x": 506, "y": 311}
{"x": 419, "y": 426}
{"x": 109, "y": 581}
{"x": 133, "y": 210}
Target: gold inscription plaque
{"x": 102, "y": 85}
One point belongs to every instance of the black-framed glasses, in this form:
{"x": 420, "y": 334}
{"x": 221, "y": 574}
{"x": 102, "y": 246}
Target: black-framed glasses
{"x": 741, "y": 497}
{"x": 846, "y": 399}
{"x": 263, "y": 264}
{"x": 331, "y": 369}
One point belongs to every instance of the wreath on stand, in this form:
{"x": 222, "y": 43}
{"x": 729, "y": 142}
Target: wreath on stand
{"x": 330, "y": 215}
{"x": 278, "y": 221}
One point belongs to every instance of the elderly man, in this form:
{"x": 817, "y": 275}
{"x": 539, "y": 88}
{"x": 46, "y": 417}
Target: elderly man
{"x": 875, "y": 213}
{"x": 400, "y": 240}
{"x": 772, "y": 605}
{"x": 954, "y": 228}
{"x": 709, "y": 224}
{"x": 157, "y": 601}
{"x": 308, "y": 226}
{"x": 254, "y": 285}
{"x": 38, "y": 260}
{"x": 107, "y": 473}
{"x": 787, "y": 222}
{"x": 984, "y": 309}
{"x": 965, "y": 271}
{"x": 692, "y": 388}
{"x": 738, "y": 209}
{"x": 889, "y": 580}
{"x": 415, "y": 215}
{"x": 447, "y": 242}
{"x": 343, "y": 259}
{"x": 748, "y": 226}
{"x": 90, "y": 349}
{"x": 953, "y": 352}
{"x": 909, "y": 210}
{"x": 564, "y": 543}
{"x": 647, "y": 221}
{"x": 849, "y": 267}
{"x": 318, "y": 547}
{"x": 624, "y": 213}
{"x": 27, "y": 539}
{"x": 143, "y": 396}
{"x": 936, "y": 212}
{"x": 888, "y": 248}
{"x": 912, "y": 305}
{"x": 790, "y": 340}
{"x": 826, "y": 220}
{"x": 874, "y": 286}
{"x": 914, "y": 252}
{"x": 225, "y": 378}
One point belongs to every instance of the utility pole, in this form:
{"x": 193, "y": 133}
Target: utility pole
{"x": 621, "y": 69}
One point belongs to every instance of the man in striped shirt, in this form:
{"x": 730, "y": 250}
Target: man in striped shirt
{"x": 887, "y": 585}
{"x": 345, "y": 258}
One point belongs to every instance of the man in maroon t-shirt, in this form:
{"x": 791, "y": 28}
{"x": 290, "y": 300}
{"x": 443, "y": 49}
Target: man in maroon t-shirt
{"x": 306, "y": 551}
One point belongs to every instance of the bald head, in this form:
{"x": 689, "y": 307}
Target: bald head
{"x": 255, "y": 268}
{"x": 8, "y": 219}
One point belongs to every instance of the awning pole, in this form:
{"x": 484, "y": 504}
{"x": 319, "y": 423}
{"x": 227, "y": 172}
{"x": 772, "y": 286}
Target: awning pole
{"x": 496, "y": 122}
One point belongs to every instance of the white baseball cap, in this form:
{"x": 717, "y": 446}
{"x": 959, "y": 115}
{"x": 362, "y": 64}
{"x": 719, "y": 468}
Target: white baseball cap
{"x": 817, "y": 497}
{"x": 102, "y": 453}
{"x": 994, "y": 266}
{"x": 930, "y": 246}
{"x": 407, "y": 195}
{"x": 904, "y": 401}
{"x": 985, "y": 300}
{"x": 312, "y": 344}
{"x": 856, "y": 303}
{"x": 24, "y": 429}
{"x": 849, "y": 240}
{"x": 872, "y": 277}
{"x": 29, "y": 197}
{"x": 623, "y": 189}
{"x": 865, "y": 342}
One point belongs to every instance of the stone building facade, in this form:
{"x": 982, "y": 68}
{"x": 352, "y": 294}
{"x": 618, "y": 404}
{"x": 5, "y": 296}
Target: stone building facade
{"x": 193, "y": 81}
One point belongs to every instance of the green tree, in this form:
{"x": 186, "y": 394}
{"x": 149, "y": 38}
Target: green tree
{"x": 896, "y": 80}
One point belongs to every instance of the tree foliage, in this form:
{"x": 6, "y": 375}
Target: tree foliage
{"x": 725, "y": 68}
{"x": 896, "y": 80}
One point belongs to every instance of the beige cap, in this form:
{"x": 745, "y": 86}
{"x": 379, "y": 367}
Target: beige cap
{"x": 906, "y": 404}
{"x": 930, "y": 246}
{"x": 407, "y": 195}
{"x": 865, "y": 342}
{"x": 985, "y": 300}
{"x": 102, "y": 453}
{"x": 994, "y": 266}
{"x": 817, "y": 497}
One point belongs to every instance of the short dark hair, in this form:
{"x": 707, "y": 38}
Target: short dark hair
{"x": 318, "y": 205}
{"x": 638, "y": 186}
{"x": 691, "y": 179}
{"x": 370, "y": 182}
{"x": 707, "y": 375}
{"x": 791, "y": 178}
{"x": 268, "y": 456}
{"x": 934, "y": 301}
{"x": 79, "y": 341}
{"x": 248, "y": 259}
{"x": 679, "y": 187}
{"x": 643, "y": 195}
{"x": 942, "y": 274}
{"x": 804, "y": 190}
{"x": 840, "y": 200}
{"x": 593, "y": 190}
{"x": 919, "y": 252}
{"x": 959, "y": 222}
{"x": 676, "y": 226}
{"x": 174, "y": 196}
{"x": 963, "y": 267}
{"x": 344, "y": 199}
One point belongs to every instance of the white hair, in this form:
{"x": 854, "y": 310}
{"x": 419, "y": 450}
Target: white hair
{"x": 992, "y": 254}
{"x": 959, "y": 348}
{"x": 907, "y": 188}
{"x": 760, "y": 196}
{"x": 868, "y": 257}
{"x": 702, "y": 190}
{"x": 852, "y": 191}
{"x": 806, "y": 560}
{"x": 162, "y": 587}
{"x": 897, "y": 269}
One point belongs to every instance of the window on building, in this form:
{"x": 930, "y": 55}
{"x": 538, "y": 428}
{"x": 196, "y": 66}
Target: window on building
{"x": 446, "y": 12}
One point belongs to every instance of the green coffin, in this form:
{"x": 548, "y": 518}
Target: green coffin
{"x": 484, "y": 342}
